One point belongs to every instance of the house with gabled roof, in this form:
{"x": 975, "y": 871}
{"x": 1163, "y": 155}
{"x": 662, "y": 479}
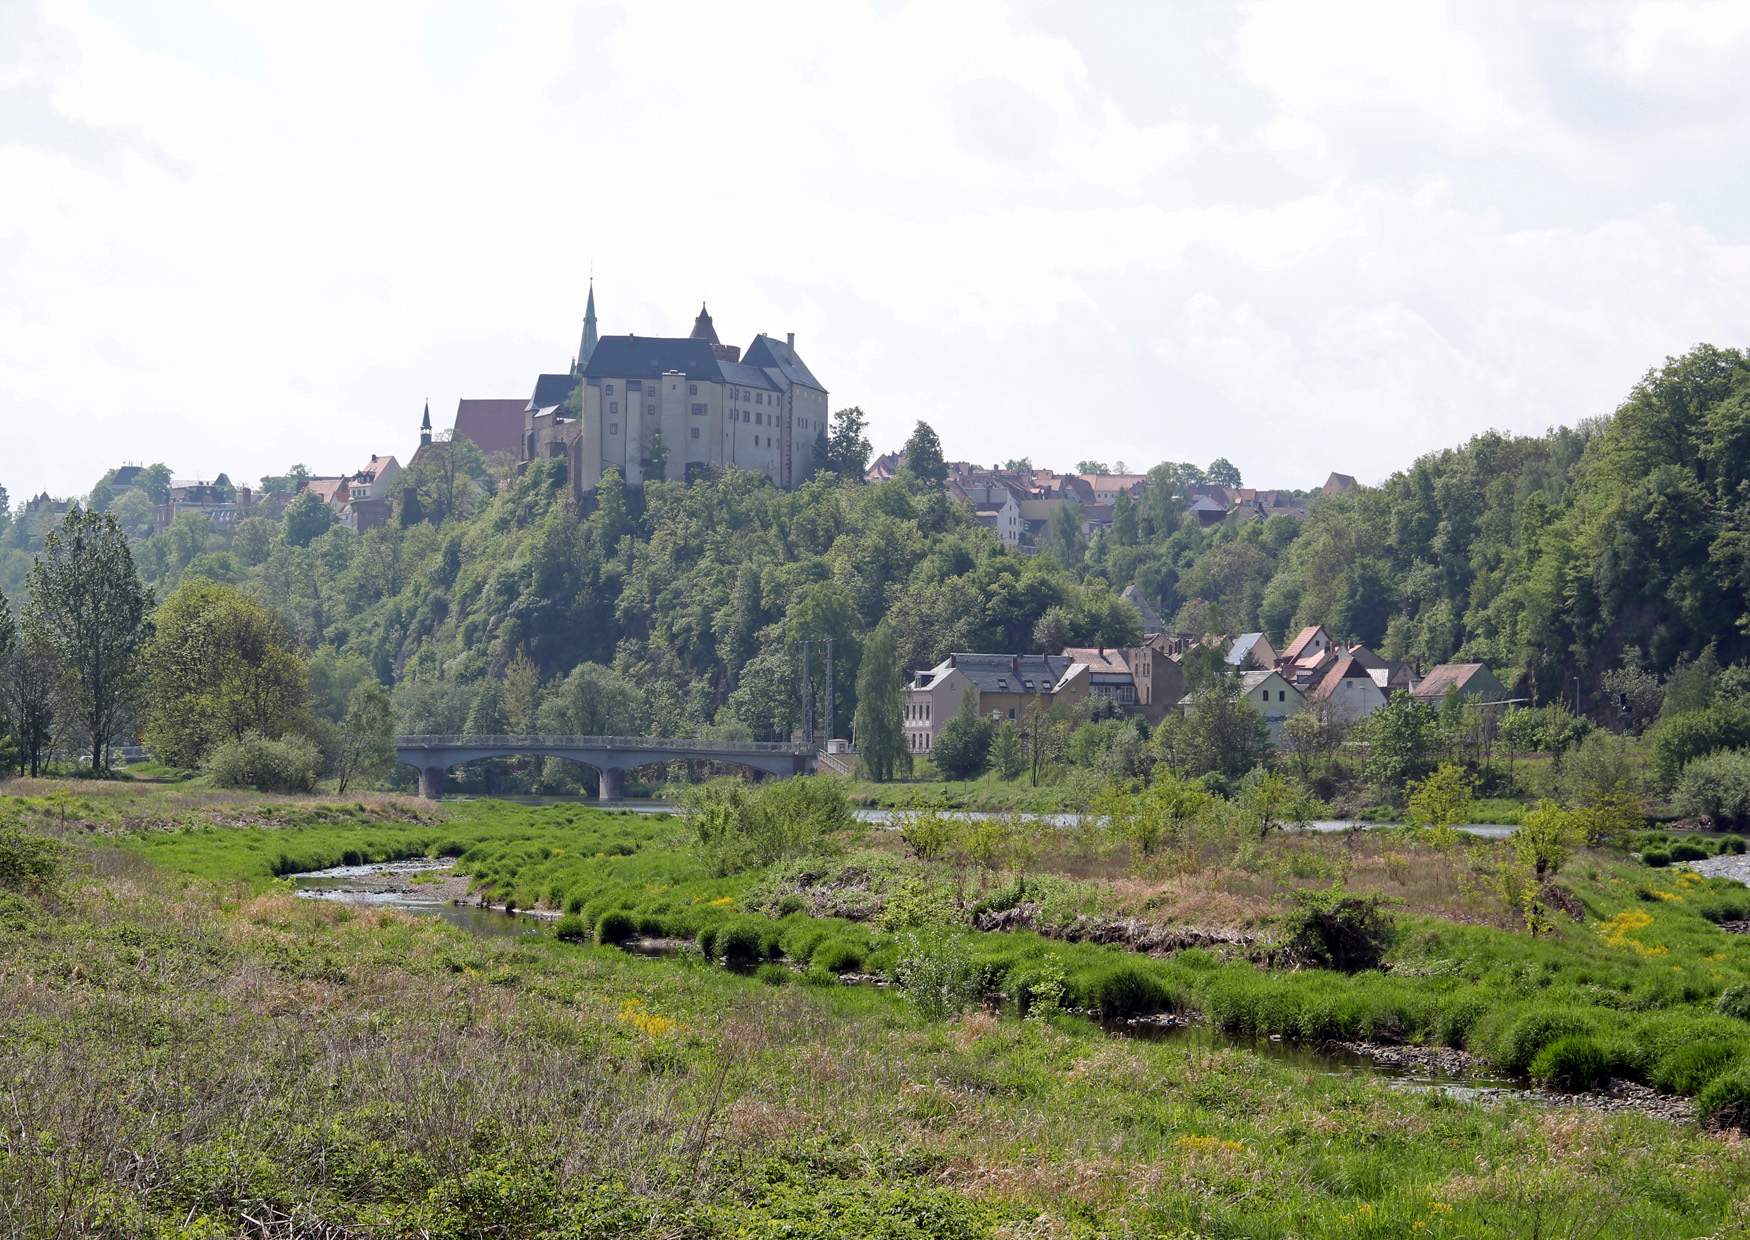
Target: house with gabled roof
{"x": 1470, "y": 680}
{"x": 1251, "y": 652}
{"x": 1151, "y": 619}
{"x": 1347, "y": 689}
{"x": 1002, "y": 686}
{"x": 1269, "y": 693}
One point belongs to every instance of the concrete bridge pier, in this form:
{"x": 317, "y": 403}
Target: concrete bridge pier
{"x": 613, "y": 784}
{"x": 431, "y": 782}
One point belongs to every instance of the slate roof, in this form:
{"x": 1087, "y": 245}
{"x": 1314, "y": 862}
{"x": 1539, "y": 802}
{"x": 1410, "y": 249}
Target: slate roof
{"x": 1006, "y": 673}
{"x": 702, "y": 328}
{"x": 765, "y": 351}
{"x": 551, "y": 390}
{"x": 747, "y": 376}
{"x": 492, "y": 424}
{"x": 651, "y": 357}
{"x": 1151, "y": 619}
{"x": 1242, "y": 646}
{"x": 1101, "y": 661}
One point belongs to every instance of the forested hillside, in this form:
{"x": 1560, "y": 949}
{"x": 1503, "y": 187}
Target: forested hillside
{"x": 677, "y": 609}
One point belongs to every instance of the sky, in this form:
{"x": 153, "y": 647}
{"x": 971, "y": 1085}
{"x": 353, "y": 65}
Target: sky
{"x": 1306, "y": 237}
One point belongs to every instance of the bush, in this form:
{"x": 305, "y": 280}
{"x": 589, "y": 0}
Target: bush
{"x": 27, "y": 861}
{"x": 1334, "y": 929}
{"x": 1717, "y": 786}
{"x": 773, "y": 974}
{"x": 1732, "y": 844}
{"x": 615, "y": 928}
{"x": 1658, "y": 858}
{"x": 708, "y": 941}
{"x": 1688, "y": 1069}
{"x": 1734, "y": 1001}
{"x": 935, "y": 972}
{"x": 1573, "y": 1064}
{"x": 1726, "y": 1100}
{"x": 572, "y": 929}
{"x": 287, "y": 765}
{"x": 742, "y": 945}
{"x": 1126, "y": 989}
{"x": 1514, "y": 1049}
{"x": 837, "y": 956}
{"x": 1688, "y": 852}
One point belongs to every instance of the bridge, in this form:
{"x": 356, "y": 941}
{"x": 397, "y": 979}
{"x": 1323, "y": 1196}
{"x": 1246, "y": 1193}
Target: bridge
{"x": 611, "y": 756}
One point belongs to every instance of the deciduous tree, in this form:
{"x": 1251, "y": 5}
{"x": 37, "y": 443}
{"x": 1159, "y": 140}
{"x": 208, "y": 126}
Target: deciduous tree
{"x": 879, "y": 724}
{"x": 88, "y": 606}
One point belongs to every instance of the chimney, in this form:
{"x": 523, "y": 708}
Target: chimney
{"x": 1015, "y": 664}
{"x": 790, "y": 339}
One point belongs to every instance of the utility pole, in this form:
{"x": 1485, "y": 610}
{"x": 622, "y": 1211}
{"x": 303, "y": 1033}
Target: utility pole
{"x": 829, "y": 712}
{"x": 807, "y": 693}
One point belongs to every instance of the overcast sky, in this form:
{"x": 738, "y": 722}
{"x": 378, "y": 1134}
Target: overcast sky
{"x": 1304, "y": 236}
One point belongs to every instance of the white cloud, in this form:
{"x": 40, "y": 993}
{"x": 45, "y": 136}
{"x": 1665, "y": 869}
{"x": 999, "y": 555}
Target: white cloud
{"x": 240, "y": 238}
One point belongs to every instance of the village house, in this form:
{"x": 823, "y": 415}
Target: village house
{"x": 1251, "y": 652}
{"x": 1151, "y": 618}
{"x": 1468, "y": 680}
{"x": 1002, "y": 686}
{"x": 1347, "y": 689}
{"x": 365, "y": 505}
{"x": 1269, "y": 694}
{"x": 218, "y": 501}
{"x": 995, "y": 502}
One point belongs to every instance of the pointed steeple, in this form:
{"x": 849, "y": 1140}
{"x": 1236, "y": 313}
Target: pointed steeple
{"x": 425, "y": 425}
{"x": 702, "y": 329}
{"x": 589, "y": 332}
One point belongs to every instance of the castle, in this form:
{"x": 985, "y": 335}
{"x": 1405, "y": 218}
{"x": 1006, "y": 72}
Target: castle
{"x": 654, "y": 407}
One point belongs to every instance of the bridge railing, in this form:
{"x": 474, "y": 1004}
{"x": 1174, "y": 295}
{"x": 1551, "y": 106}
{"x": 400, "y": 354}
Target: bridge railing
{"x": 687, "y": 745}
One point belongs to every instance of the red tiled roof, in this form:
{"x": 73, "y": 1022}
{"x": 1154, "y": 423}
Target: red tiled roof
{"x": 1300, "y": 641}
{"x": 1346, "y": 668}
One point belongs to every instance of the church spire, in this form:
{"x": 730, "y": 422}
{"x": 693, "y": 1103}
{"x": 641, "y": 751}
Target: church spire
{"x": 589, "y": 332}
{"x": 425, "y": 425}
{"x": 702, "y": 329}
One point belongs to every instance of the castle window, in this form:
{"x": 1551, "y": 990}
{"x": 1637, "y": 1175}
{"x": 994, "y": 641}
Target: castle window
{"x": 610, "y": 389}
{"x": 613, "y": 428}
{"x": 650, "y": 408}
{"x": 692, "y": 389}
{"x": 613, "y": 405}
{"x": 698, "y": 410}
{"x": 695, "y": 432}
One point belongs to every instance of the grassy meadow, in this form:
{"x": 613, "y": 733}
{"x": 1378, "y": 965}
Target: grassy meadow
{"x": 194, "y": 1052}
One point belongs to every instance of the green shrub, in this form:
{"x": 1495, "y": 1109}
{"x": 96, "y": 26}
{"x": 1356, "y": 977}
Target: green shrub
{"x": 936, "y": 973}
{"x": 1734, "y": 1001}
{"x": 1688, "y": 1068}
{"x": 1726, "y": 1100}
{"x": 707, "y": 941}
{"x": 819, "y": 977}
{"x": 1688, "y": 852}
{"x": 1732, "y": 844}
{"x": 615, "y": 928}
{"x": 1126, "y": 989}
{"x": 290, "y": 764}
{"x": 1515, "y": 1047}
{"x": 837, "y": 956}
{"x": 27, "y": 861}
{"x": 1334, "y": 929}
{"x": 1717, "y": 786}
{"x": 742, "y": 945}
{"x": 1658, "y": 858}
{"x": 572, "y": 929}
{"x": 1573, "y": 1064}
{"x": 773, "y": 974}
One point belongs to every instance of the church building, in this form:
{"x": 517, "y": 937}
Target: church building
{"x": 668, "y": 407}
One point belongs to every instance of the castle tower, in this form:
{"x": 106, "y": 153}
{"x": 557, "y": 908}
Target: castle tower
{"x": 425, "y": 426}
{"x": 702, "y": 329}
{"x": 589, "y": 333}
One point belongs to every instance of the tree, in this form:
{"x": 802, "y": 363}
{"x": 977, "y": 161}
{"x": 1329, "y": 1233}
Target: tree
{"x": 1268, "y": 800}
{"x": 1220, "y": 734}
{"x": 879, "y": 724}
{"x": 1222, "y": 472}
{"x": 655, "y": 462}
{"x": 30, "y": 687}
{"x": 847, "y": 447}
{"x": 1006, "y": 756}
{"x": 367, "y": 736}
{"x": 923, "y": 456}
{"x": 219, "y": 666}
{"x": 1064, "y": 534}
{"x": 88, "y": 606}
{"x": 285, "y": 484}
{"x": 1045, "y": 731}
{"x": 1400, "y": 739}
{"x": 1019, "y": 464}
{"x": 1442, "y": 801}
{"x": 306, "y": 519}
{"x": 963, "y": 745}
{"x": 1093, "y": 468}
{"x": 522, "y": 694}
{"x": 1311, "y": 738}
{"x": 594, "y": 701}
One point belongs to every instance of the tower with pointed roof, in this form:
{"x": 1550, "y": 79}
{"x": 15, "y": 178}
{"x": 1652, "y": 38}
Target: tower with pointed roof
{"x": 425, "y": 426}
{"x": 589, "y": 333}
